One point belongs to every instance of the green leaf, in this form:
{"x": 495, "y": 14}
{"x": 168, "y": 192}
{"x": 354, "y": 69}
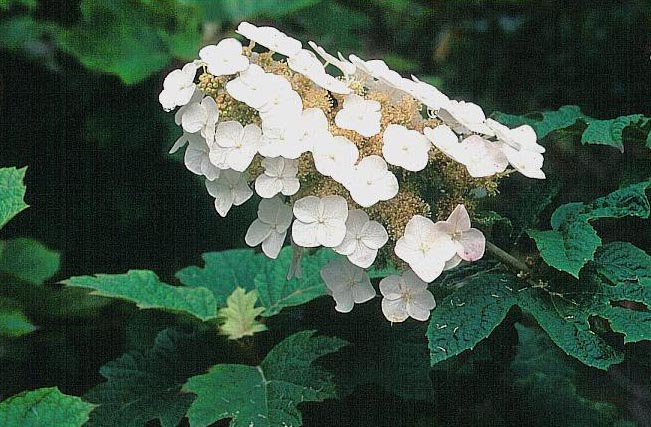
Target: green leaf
{"x": 28, "y": 260}
{"x": 544, "y": 122}
{"x": 276, "y": 292}
{"x": 145, "y": 289}
{"x": 628, "y": 268}
{"x": 265, "y": 395}
{"x": 239, "y": 315}
{"x": 609, "y": 132}
{"x": 12, "y": 193}
{"x": 13, "y": 322}
{"x": 464, "y": 318}
{"x": 22, "y": 32}
{"x": 546, "y": 386}
{"x": 224, "y": 272}
{"x": 45, "y": 407}
{"x": 130, "y": 41}
{"x": 573, "y": 241}
{"x": 142, "y": 387}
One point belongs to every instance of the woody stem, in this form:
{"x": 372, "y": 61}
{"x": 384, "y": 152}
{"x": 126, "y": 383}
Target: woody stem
{"x": 506, "y": 258}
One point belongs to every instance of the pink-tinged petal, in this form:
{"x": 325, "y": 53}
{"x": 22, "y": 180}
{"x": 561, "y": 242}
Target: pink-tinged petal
{"x": 305, "y": 234}
{"x": 331, "y": 233}
{"x": 473, "y": 243}
{"x": 308, "y": 209}
{"x": 421, "y": 305}
{"x": 258, "y": 231}
{"x": 374, "y": 235}
{"x": 395, "y": 310}
{"x": 452, "y": 262}
{"x": 344, "y": 300}
{"x": 273, "y": 244}
{"x": 391, "y": 287}
{"x": 362, "y": 256}
{"x": 459, "y": 219}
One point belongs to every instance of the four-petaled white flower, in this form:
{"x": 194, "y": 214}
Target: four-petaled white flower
{"x": 426, "y": 247}
{"x": 225, "y": 58}
{"x": 305, "y": 62}
{"x": 405, "y": 148}
{"x": 270, "y": 228}
{"x": 464, "y": 117}
{"x": 334, "y": 156}
{"x": 197, "y": 156}
{"x": 370, "y": 181}
{"x": 347, "y": 283}
{"x": 250, "y": 87}
{"x": 520, "y": 147}
{"x": 201, "y": 116}
{"x": 470, "y": 242}
{"x": 406, "y": 296}
{"x": 228, "y": 190}
{"x": 320, "y": 221}
{"x": 426, "y": 94}
{"x": 359, "y": 114}
{"x": 178, "y": 87}
{"x": 481, "y": 157}
{"x": 363, "y": 239}
{"x": 235, "y": 145}
{"x": 271, "y": 38}
{"x": 279, "y": 177}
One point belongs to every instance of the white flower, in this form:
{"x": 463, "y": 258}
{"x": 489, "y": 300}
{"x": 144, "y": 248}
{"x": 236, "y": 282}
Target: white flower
{"x": 228, "y": 190}
{"x": 201, "y": 117}
{"x": 464, "y": 117}
{"x": 279, "y": 97}
{"x": 271, "y": 38}
{"x": 359, "y": 114}
{"x": 270, "y": 229}
{"x": 427, "y": 94}
{"x": 371, "y": 181}
{"x": 197, "y": 157}
{"x": 470, "y": 242}
{"x": 296, "y": 136}
{"x": 279, "y": 177}
{"x": 320, "y": 221}
{"x": 235, "y": 146}
{"x": 348, "y": 284}
{"x": 363, "y": 239}
{"x": 481, "y": 157}
{"x": 528, "y": 163}
{"x": 305, "y": 62}
{"x": 373, "y": 68}
{"x": 334, "y": 156}
{"x": 406, "y": 296}
{"x": 426, "y": 247}
{"x": 178, "y": 87}
{"x": 405, "y": 148}
{"x": 347, "y": 68}
{"x": 520, "y": 138}
{"x": 250, "y": 87}
{"x": 225, "y": 58}
{"x": 443, "y": 138}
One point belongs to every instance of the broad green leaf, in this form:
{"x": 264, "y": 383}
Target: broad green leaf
{"x": 546, "y": 385}
{"x": 565, "y": 319}
{"x": 276, "y": 292}
{"x": 12, "y": 193}
{"x": 131, "y": 42}
{"x": 544, "y": 122}
{"x": 239, "y": 315}
{"x": 628, "y": 268}
{"x": 19, "y": 32}
{"x": 603, "y": 132}
{"x": 145, "y": 289}
{"x": 464, "y": 318}
{"x": 45, "y": 407}
{"x": 13, "y": 322}
{"x": 573, "y": 241}
{"x": 142, "y": 387}
{"x": 28, "y": 260}
{"x": 265, "y": 395}
{"x": 225, "y": 271}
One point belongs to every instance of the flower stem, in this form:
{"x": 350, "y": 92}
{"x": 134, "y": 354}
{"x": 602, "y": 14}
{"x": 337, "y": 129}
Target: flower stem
{"x": 507, "y": 259}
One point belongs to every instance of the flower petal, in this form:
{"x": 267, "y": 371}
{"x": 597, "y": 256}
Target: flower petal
{"x": 473, "y": 243}
{"x": 258, "y": 231}
{"x": 395, "y": 310}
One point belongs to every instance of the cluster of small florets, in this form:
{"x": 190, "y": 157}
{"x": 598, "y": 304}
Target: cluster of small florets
{"x": 358, "y": 163}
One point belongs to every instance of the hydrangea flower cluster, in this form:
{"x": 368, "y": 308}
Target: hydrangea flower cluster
{"x": 363, "y": 162}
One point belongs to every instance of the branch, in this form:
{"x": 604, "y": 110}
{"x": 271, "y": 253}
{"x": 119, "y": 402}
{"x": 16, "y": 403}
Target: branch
{"x": 507, "y": 259}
